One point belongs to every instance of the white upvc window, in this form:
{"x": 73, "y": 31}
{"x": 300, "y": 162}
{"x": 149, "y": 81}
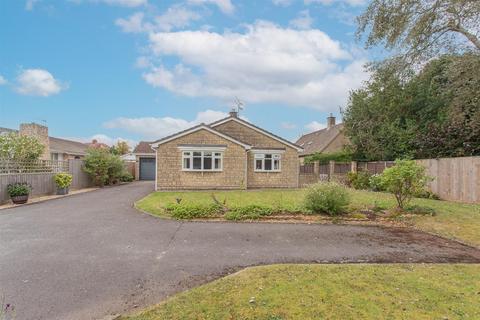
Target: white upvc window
{"x": 202, "y": 160}
{"x": 267, "y": 162}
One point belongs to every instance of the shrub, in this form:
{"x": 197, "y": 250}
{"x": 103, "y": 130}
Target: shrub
{"x": 19, "y": 147}
{"x": 358, "y": 180}
{"x": 248, "y": 212}
{"x": 19, "y": 189}
{"x": 404, "y": 180}
{"x": 193, "y": 211}
{"x": 330, "y": 198}
{"x": 63, "y": 180}
{"x": 103, "y": 167}
{"x": 375, "y": 182}
{"x": 126, "y": 177}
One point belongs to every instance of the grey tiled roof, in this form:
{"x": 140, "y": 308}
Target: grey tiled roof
{"x": 67, "y": 146}
{"x": 317, "y": 141}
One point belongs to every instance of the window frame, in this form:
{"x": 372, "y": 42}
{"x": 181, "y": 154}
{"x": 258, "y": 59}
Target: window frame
{"x": 275, "y": 156}
{"x": 215, "y": 154}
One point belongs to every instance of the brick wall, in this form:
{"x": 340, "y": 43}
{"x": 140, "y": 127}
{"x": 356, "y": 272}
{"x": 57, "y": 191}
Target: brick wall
{"x": 169, "y": 165}
{"x": 287, "y": 178}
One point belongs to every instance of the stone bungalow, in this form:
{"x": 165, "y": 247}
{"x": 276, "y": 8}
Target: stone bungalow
{"x": 228, "y": 154}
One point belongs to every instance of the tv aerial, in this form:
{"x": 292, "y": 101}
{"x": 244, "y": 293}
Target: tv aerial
{"x": 238, "y": 105}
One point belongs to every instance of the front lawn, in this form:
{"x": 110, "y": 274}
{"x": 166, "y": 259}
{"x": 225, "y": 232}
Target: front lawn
{"x": 354, "y": 291}
{"x": 452, "y": 220}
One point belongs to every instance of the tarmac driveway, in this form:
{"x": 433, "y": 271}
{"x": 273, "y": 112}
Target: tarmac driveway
{"x": 92, "y": 254}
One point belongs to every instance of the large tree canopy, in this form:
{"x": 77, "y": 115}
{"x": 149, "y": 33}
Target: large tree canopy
{"x": 417, "y": 30}
{"x": 435, "y": 113}
{"x": 14, "y": 146}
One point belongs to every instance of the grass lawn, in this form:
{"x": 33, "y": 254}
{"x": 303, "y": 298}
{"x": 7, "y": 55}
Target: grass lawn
{"x": 356, "y": 291}
{"x": 453, "y": 220}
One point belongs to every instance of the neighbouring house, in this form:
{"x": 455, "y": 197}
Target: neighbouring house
{"x": 144, "y": 161}
{"x": 228, "y": 154}
{"x": 55, "y": 148}
{"x": 97, "y": 145}
{"x": 328, "y": 140}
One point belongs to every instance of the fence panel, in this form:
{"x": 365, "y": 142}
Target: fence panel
{"x": 80, "y": 178}
{"x": 307, "y": 168}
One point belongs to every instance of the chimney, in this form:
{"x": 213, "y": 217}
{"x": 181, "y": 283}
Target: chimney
{"x": 94, "y": 141}
{"x": 330, "y": 121}
{"x": 233, "y": 113}
{"x": 41, "y": 133}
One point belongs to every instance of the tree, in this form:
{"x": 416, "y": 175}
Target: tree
{"x": 14, "y": 146}
{"x": 120, "y": 148}
{"x": 417, "y": 30}
{"x": 103, "y": 166}
{"x": 404, "y": 180}
{"x": 434, "y": 113}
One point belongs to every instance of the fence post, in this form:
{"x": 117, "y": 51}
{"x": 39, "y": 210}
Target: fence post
{"x": 331, "y": 169}
{"x": 316, "y": 168}
{"x": 354, "y": 166}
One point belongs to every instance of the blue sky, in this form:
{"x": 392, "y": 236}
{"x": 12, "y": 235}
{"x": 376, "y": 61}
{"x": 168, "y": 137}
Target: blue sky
{"x": 143, "y": 69}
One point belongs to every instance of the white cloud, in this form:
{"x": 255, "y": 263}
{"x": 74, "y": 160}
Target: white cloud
{"x": 29, "y": 4}
{"x": 266, "y": 63}
{"x": 2, "y": 80}
{"x": 315, "y": 125}
{"x": 120, "y": 3}
{"x": 303, "y": 21}
{"x": 38, "y": 82}
{"x": 155, "y": 128}
{"x": 225, "y": 6}
{"x": 132, "y": 24}
{"x": 173, "y": 18}
{"x": 288, "y": 125}
{"x": 330, "y": 2}
{"x": 103, "y": 138}
{"x": 283, "y": 3}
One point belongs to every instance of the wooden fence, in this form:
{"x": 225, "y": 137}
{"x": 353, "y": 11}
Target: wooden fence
{"x": 455, "y": 179}
{"x": 41, "y": 177}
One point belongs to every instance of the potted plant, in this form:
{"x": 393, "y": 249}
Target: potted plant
{"x": 19, "y": 192}
{"x": 63, "y": 182}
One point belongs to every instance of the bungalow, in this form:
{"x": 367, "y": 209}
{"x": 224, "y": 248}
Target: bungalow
{"x": 228, "y": 154}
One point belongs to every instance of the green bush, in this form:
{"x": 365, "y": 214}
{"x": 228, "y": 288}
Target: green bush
{"x": 193, "y": 211}
{"x": 18, "y": 189}
{"x": 358, "y": 180}
{"x": 250, "y": 212}
{"x": 375, "y": 182}
{"x": 63, "y": 180}
{"x": 330, "y": 198}
{"x": 103, "y": 167}
{"x": 405, "y": 179}
{"x": 126, "y": 177}
{"x": 19, "y": 147}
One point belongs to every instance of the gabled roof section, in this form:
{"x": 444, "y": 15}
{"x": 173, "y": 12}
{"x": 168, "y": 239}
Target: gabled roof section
{"x": 143, "y": 147}
{"x": 199, "y": 127}
{"x": 258, "y": 129}
{"x": 318, "y": 140}
{"x": 67, "y": 146}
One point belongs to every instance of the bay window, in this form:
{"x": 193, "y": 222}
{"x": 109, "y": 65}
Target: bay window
{"x": 267, "y": 162}
{"x": 202, "y": 160}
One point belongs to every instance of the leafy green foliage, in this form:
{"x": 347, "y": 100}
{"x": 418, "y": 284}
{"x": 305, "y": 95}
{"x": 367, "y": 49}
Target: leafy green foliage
{"x": 329, "y": 197}
{"x": 18, "y": 189}
{"x": 250, "y": 212}
{"x": 404, "y": 180}
{"x": 14, "y": 146}
{"x": 375, "y": 182}
{"x": 324, "y": 158}
{"x": 435, "y": 113}
{"x": 63, "y": 180}
{"x": 358, "y": 180}
{"x": 418, "y": 30}
{"x": 120, "y": 148}
{"x": 103, "y": 166}
{"x": 126, "y": 177}
{"x": 193, "y": 211}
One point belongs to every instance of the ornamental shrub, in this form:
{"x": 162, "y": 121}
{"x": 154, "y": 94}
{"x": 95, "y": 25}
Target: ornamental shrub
{"x": 375, "y": 182}
{"x": 250, "y": 212}
{"x": 63, "y": 180}
{"x": 358, "y": 180}
{"x": 103, "y": 167}
{"x": 328, "y": 197}
{"x": 19, "y": 189}
{"x": 193, "y": 211}
{"x": 405, "y": 179}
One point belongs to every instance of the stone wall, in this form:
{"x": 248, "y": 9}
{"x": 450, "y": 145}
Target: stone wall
{"x": 41, "y": 133}
{"x": 287, "y": 178}
{"x": 169, "y": 165}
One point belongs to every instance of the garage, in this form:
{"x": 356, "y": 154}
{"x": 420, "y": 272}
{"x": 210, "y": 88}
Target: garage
{"x": 147, "y": 168}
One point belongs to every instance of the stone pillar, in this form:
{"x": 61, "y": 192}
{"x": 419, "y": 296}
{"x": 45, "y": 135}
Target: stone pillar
{"x": 354, "y": 166}
{"x": 41, "y": 133}
{"x": 316, "y": 167}
{"x": 331, "y": 170}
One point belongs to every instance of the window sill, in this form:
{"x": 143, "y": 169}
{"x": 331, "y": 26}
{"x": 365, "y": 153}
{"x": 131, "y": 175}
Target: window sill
{"x": 267, "y": 171}
{"x": 193, "y": 170}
